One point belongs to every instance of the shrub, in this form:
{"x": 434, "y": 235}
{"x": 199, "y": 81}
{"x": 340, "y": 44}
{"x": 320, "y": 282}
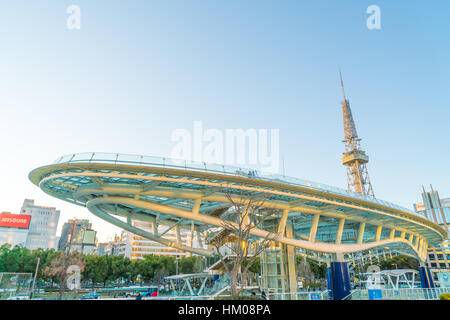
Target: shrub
{"x": 445, "y": 296}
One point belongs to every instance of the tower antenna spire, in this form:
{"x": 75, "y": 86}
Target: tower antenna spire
{"x": 342, "y": 83}
{"x": 354, "y": 158}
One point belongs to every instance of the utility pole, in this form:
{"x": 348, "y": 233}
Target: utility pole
{"x": 71, "y": 236}
{"x": 34, "y": 280}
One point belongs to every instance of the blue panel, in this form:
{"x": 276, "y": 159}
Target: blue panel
{"x": 340, "y": 280}
{"x": 329, "y": 282}
{"x": 426, "y": 278}
{"x": 314, "y": 296}
{"x": 375, "y": 294}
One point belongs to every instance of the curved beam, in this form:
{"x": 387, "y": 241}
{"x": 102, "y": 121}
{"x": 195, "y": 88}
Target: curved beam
{"x": 314, "y": 246}
{"x": 108, "y": 190}
{"x": 93, "y": 207}
{"x": 401, "y": 215}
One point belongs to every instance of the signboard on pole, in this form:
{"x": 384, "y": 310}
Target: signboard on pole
{"x": 314, "y": 296}
{"x": 89, "y": 237}
{"x": 375, "y": 294}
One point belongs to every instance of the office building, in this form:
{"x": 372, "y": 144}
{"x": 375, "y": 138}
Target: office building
{"x": 77, "y": 234}
{"x": 437, "y": 210}
{"x": 135, "y": 247}
{"x": 43, "y": 224}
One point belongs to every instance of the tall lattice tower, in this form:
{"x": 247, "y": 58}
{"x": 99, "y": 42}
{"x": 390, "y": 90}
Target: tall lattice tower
{"x": 354, "y": 158}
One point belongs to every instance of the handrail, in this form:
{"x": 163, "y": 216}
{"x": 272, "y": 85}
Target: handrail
{"x": 401, "y": 294}
{"x": 95, "y": 157}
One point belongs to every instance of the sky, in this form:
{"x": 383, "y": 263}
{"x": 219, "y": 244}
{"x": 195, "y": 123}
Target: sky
{"x": 136, "y": 71}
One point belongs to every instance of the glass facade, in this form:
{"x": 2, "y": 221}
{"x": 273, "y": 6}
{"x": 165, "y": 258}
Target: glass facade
{"x": 437, "y": 210}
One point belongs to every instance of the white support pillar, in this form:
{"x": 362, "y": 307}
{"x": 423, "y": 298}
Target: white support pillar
{"x": 425, "y": 250}
{"x": 411, "y": 237}
{"x": 315, "y": 224}
{"x": 200, "y": 291}
{"x": 292, "y": 274}
{"x": 192, "y": 233}
{"x": 419, "y": 247}
{"x": 392, "y": 234}
{"x": 196, "y": 208}
{"x": 378, "y": 234}
{"x": 189, "y": 286}
{"x": 178, "y": 230}
{"x": 360, "y": 238}
{"x": 199, "y": 239}
{"x": 403, "y": 235}
{"x": 340, "y": 231}
{"x": 282, "y": 225}
{"x": 155, "y": 228}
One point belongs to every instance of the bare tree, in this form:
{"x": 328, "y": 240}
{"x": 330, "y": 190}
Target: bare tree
{"x": 245, "y": 214}
{"x": 304, "y": 271}
{"x": 59, "y": 265}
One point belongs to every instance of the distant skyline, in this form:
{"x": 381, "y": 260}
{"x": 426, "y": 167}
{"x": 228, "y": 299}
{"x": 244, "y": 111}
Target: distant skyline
{"x": 137, "y": 71}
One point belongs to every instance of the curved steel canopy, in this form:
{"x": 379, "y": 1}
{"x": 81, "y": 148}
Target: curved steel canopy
{"x": 193, "y": 195}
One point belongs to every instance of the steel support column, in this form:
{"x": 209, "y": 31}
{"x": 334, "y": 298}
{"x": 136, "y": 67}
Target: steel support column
{"x": 340, "y": 280}
{"x": 426, "y": 278}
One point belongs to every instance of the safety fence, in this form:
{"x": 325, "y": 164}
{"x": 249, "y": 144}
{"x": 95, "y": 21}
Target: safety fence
{"x": 397, "y": 294}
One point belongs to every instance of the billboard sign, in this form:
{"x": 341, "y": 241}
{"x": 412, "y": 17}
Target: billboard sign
{"x": 89, "y": 237}
{"x": 14, "y": 220}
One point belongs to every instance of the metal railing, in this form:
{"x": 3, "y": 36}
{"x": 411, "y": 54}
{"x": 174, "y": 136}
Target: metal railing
{"x": 301, "y": 295}
{"x": 320, "y": 295}
{"x": 116, "y": 158}
{"x": 400, "y": 294}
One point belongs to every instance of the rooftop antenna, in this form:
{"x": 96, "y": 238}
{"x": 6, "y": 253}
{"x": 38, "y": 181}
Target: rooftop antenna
{"x": 354, "y": 158}
{"x": 342, "y": 83}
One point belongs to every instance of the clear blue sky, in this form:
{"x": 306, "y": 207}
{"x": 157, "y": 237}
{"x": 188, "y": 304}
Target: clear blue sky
{"x": 137, "y": 70}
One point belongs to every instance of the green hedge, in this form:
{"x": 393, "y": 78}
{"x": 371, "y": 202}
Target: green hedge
{"x": 445, "y": 296}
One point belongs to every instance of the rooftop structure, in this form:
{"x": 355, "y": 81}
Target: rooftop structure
{"x": 324, "y": 219}
{"x": 437, "y": 210}
{"x": 43, "y": 224}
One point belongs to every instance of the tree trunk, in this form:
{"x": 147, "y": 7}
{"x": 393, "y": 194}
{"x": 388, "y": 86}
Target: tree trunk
{"x": 61, "y": 289}
{"x": 233, "y": 281}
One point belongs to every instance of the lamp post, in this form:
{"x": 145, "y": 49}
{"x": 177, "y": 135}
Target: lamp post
{"x": 34, "y": 280}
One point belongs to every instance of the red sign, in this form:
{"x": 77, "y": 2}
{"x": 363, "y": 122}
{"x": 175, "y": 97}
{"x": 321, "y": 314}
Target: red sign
{"x": 14, "y": 220}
